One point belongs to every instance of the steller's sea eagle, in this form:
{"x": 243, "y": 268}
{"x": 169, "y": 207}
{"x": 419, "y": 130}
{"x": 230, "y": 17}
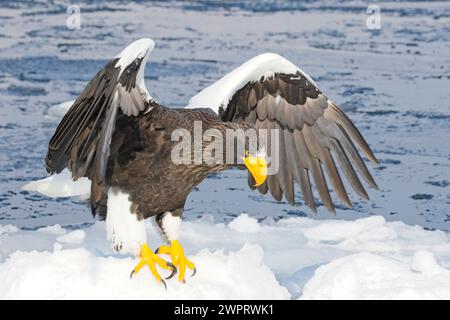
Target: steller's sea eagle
{"x": 121, "y": 139}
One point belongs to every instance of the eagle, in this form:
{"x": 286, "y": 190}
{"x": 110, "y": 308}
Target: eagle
{"x": 120, "y": 138}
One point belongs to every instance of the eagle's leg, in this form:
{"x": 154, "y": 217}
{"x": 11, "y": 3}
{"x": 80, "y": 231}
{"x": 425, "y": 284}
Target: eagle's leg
{"x": 169, "y": 223}
{"x": 150, "y": 259}
{"x": 126, "y": 229}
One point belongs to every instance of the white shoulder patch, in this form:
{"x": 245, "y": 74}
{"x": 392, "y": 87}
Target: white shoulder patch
{"x": 221, "y": 92}
{"x": 137, "y": 49}
{"x": 126, "y": 232}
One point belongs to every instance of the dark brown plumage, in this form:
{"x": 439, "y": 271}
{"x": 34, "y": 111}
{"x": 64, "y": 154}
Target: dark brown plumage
{"x": 117, "y": 136}
{"x": 140, "y": 164}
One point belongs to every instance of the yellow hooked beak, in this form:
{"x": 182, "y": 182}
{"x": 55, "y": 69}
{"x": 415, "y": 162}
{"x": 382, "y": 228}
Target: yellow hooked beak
{"x": 257, "y": 166}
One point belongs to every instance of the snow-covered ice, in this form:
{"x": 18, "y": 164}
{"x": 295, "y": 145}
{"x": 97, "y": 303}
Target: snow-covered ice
{"x": 60, "y": 185}
{"x": 244, "y": 223}
{"x": 371, "y": 276}
{"x": 59, "y": 110}
{"x": 73, "y": 237}
{"x": 367, "y": 258}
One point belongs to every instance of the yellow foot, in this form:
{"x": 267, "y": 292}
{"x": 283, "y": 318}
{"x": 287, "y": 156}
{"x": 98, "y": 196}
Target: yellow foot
{"x": 149, "y": 258}
{"x": 179, "y": 260}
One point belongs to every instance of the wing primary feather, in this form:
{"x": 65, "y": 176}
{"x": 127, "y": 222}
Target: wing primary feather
{"x": 348, "y": 125}
{"x": 93, "y": 129}
{"x": 305, "y": 185}
{"x": 354, "y": 154}
{"x": 274, "y": 187}
{"x": 357, "y": 160}
{"x": 336, "y": 131}
{"x": 284, "y": 174}
{"x": 78, "y": 109}
{"x": 251, "y": 181}
{"x": 313, "y": 141}
{"x": 304, "y": 157}
{"x": 335, "y": 178}
{"x": 291, "y": 155}
{"x": 82, "y": 125}
{"x": 102, "y": 152}
{"x": 60, "y": 144}
{"x": 263, "y": 188}
{"x": 321, "y": 185}
{"x": 312, "y": 144}
{"x": 347, "y": 167}
{"x": 273, "y": 183}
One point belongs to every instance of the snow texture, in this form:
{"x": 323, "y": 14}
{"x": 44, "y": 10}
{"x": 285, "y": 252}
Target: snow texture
{"x": 74, "y": 237}
{"x": 244, "y": 223}
{"x": 367, "y": 258}
{"x": 370, "y": 276}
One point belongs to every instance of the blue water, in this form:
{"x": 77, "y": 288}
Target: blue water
{"x": 394, "y": 82}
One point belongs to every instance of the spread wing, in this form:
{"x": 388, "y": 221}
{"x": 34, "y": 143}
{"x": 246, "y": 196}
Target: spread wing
{"x": 81, "y": 141}
{"x": 315, "y": 138}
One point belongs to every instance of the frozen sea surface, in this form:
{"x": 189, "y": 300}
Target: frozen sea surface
{"x": 393, "y": 82}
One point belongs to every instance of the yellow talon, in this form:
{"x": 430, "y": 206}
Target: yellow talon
{"x": 149, "y": 258}
{"x": 179, "y": 260}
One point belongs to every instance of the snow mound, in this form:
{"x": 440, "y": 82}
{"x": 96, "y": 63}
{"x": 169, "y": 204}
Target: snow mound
{"x": 74, "y": 237}
{"x": 59, "y": 110}
{"x": 78, "y": 274}
{"x": 300, "y": 257}
{"x": 5, "y": 229}
{"x": 60, "y": 185}
{"x": 369, "y": 276}
{"x": 244, "y": 223}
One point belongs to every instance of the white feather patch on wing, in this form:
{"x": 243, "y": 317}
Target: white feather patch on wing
{"x": 126, "y": 232}
{"x": 220, "y": 93}
{"x": 138, "y": 49}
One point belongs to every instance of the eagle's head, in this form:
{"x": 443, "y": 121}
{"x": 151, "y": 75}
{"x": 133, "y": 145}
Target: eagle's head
{"x": 257, "y": 165}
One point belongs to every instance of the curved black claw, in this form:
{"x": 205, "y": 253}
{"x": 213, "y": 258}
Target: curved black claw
{"x": 174, "y": 270}
{"x": 164, "y": 283}
{"x": 157, "y": 251}
{"x": 194, "y": 272}
{"x": 131, "y": 274}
